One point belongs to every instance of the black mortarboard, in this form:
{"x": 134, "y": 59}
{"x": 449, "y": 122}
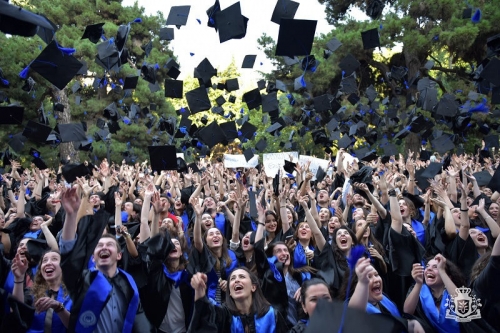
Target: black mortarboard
{"x": 56, "y": 66}
{"x": 371, "y": 93}
{"x": 443, "y": 144}
{"x": 261, "y": 84}
{"x": 491, "y": 141}
{"x": 130, "y": 82}
{"x": 353, "y": 98}
{"x": 47, "y": 35}
{"x": 491, "y": 72}
{"x": 205, "y": 71}
{"x": 432, "y": 170}
{"x": 295, "y": 37}
{"x": 71, "y": 171}
{"x": 17, "y": 21}
{"x": 333, "y": 44}
{"x": 232, "y": 85}
{"x": 284, "y": 9}
{"x": 36, "y": 131}
{"x": 178, "y": 15}
{"x": 447, "y": 106}
{"x": 495, "y": 95}
{"x": 371, "y": 39}
{"x": 425, "y": 155}
{"x": 211, "y": 134}
{"x": 11, "y": 115}
{"x": 166, "y": 34}
{"x": 148, "y": 73}
{"x": 174, "y": 88}
{"x": 261, "y": 145}
{"x": 39, "y": 163}
{"x": 398, "y": 73}
{"x": 247, "y": 131}
{"x": 482, "y": 177}
{"x": 249, "y": 61}
{"x": 147, "y": 48}
{"x": 174, "y": 72}
{"x": 93, "y": 32}
{"x": 274, "y": 127}
{"x": 230, "y": 23}
{"x": 220, "y": 100}
{"x": 114, "y": 126}
{"x": 198, "y": 100}
{"x": 71, "y": 132}
{"x": 229, "y": 129}
{"x": 344, "y": 142}
{"x": 162, "y": 158}
{"x": 348, "y": 85}
{"x": 322, "y": 103}
{"x": 349, "y": 64}
{"x": 417, "y": 201}
{"x": 390, "y": 149}
{"x": 248, "y": 153}
{"x": 289, "y": 166}
{"x": 154, "y": 87}
{"x": 17, "y": 142}
{"x": 494, "y": 183}
{"x": 253, "y": 99}
{"x": 467, "y": 13}
{"x": 111, "y": 112}
{"x": 270, "y": 102}
{"x": 212, "y": 23}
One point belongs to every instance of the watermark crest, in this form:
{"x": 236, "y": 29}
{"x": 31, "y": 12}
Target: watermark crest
{"x": 464, "y": 307}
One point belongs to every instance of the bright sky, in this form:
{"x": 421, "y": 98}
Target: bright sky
{"x": 204, "y": 41}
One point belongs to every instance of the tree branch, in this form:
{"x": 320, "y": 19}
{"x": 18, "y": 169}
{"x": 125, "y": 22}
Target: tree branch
{"x": 384, "y": 69}
{"x": 460, "y": 72}
{"x": 439, "y": 82}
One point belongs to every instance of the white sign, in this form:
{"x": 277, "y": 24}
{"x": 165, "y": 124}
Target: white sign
{"x": 275, "y": 161}
{"x": 239, "y": 161}
{"x": 181, "y": 155}
{"x": 348, "y": 159}
{"x": 315, "y": 164}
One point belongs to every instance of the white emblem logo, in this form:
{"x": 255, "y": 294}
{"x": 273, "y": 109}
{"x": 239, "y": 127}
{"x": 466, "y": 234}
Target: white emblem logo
{"x": 464, "y": 307}
{"x": 87, "y": 319}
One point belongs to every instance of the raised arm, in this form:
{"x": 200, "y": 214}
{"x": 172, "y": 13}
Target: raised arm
{"x": 158, "y": 207}
{"x": 378, "y": 206}
{"x": 463, "y": 232}
{"x": 131, "y": 248}
{"x": 413, "y": 298}
{"x": 259, "y": 233}
{"x": 283, "y": 212}
{"x": 359, "y": 298}
{"x": 448, "y": 283}
{"x": 198, "y": 210}
{"x": 494, "y": 228}
{"x": 71, "y": 201}
{"x": 318, "y": 236}
{"x": 396, "y": 218}
{"x": 145, "y": 231}
{"x": 49, "y": 237}
{"x": 118, "y": 210}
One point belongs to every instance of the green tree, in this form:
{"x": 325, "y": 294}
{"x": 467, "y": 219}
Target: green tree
{"x": 71, "y": 17}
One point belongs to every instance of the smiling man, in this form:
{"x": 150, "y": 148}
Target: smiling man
{"x": 106, "y": 298}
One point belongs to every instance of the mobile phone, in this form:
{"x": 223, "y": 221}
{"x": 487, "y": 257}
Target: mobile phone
{"x": 287, "y": 238}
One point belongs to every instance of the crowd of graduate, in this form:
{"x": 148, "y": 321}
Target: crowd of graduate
{"x": 377, "y": 246}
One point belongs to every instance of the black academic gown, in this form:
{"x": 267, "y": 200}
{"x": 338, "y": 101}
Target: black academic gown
{"x": 329, "y": 269}
{"x": 155, "y": 296}
{"x": 462, "y": 253}
{"x": 487, "y": 288}
{"x": 78, "y": 279}
{"x": 209, "y": 318}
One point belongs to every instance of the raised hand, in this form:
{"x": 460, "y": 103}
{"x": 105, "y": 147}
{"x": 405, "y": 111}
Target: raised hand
{"x": 417, "y": 273}
{"x": 199, "y": 284}
{"x": 363, "y": 268}
{"x": 47, "y": 222}
{"x": 70, "y": 201}
{"x": 19, "y": 266}
{"x": 197, "y": 207}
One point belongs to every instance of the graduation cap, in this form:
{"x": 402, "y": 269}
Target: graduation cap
{"x": 442, "y": 144}
{"x": 70, "y": 132}
{"x": 284, "y": 9}
{"x": 212, "y": 23}
{"x": 249, "y": 61}
{"x": 417, "y": 201}
{"x": 295, "y": 37}
{"x": 229, "y": 129}
{"x": 349, "y": 64}
{"x": 36, "y": 131}
{"x": 491, "y": 141}
{"x": 447, "y": 106}
{"x": 162, "y": 158}
{"x": 494, "y": 183}
{"x": 147, "y": 48}
{"x": 19, "y": 22}
{"x": 289, "y": 167}
{"x": 348, "y": 85}
{"x": 55, "y": 64}
{"x": 211, "y": 134}
{"x": 333, "y": 44}
{"x": 220, "y": 100}
{"x": 247, "y": 131}
{"x": 47, "y": 35}
{"x": 491, "y": 71}
{"x": 11, "y": 115}
{"x": 93, "y": 32}
{"x": 71, "y": 171}
{"x": 230, "y": 23}
{"x": 261, "y": 145}
{"x": 482, "y": 177}
{"x": 270, "y": 102}
{"x": 205, "y": 71}
{"x": 111, "y": 112}
{"x": 232, "y": 85}
{"x": 130, "y": 82}
{"x": 252, "y": 98}
{"x": 371, "y": 39}
{"x": 178, "y": 16}
{"x": 148, "y": 73}
{"x": 198, "y": 100}
{"x": 174, "y": 72}
{"x": 248, "y": 153}
{"x": 174, "y": 88}
{"x": 166, "y": 34}
{"x": 17, "y": 142}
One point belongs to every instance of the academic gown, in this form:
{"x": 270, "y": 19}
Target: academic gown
{"x": 329, "y": 269}
{"x": 210, "y": 318}
{"x": 463, "y": 253}
{"x": 487, "y": 288}
{"x": 155, "y": 295}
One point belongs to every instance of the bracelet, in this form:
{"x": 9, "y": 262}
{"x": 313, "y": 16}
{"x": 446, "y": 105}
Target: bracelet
{"x": 60, "y": 307}
{"x": 261, "y": 223}
{"x": 19, "y": 281}
{"x": 464, "y": 210}
{"x": 283, "y": 206}
{"x": 127, "y": 235}
{"x": 392, "y": 193}
{"x": 411, "y": 179}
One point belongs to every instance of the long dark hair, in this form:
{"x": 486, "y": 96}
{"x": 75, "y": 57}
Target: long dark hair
{"x": 279, "y": 224}
{"x": 479, "y": 266}
{"x": 303, "y": 292}
{"x": 337, "y": 253}
{"x": 224, "y": 252}
{"x": 260, "y": 305}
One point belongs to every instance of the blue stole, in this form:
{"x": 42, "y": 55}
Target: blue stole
{"x": 32, "y": 234}
{"x": 91, "y": 263}
{"x": 8, "y": 286}
{"x": 419, "y": 230}
{"x": 95, "y": 300}
{"x": 38, "y": 324}
{"x": 438, "y": 320}
{"x": 220, "y": 223}
{"x": 266, "y": 323}
{"x": 213, "y": 280}
{"x": 299, "y": 256}
{"x": 386, "y": 303}
{"x": 483, "y": 230}
{"x": 272, "y": 267}
{"x": 178, "y": 277}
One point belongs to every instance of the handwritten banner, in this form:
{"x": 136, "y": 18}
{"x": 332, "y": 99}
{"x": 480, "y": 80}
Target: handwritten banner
{"x": 275, "y": 161}
{"x": 239, "y": 161}
{"x": 315, "y": 163}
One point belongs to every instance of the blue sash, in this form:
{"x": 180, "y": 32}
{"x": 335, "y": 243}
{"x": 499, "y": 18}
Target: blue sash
{"x": 438, "y": 320}
{"x": 272, "y": 266}
{"x": 38, "y": 324}
{"x": 213, "y": 280}
{"x": 95, "y": 300}
{"x": 32, "y": 234}
{"x": 178, "y": 277}
{"x": 264, "y": 324}
{"x": 8, "y": 286}
{"x": 299, "y": 256}
{"x": 91, "y": 263}
{"x": 483, "y": 230}
{"x": 386, "y": 303}
{"x": 419, "y": 229}
{"x": 220, "y": 223}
